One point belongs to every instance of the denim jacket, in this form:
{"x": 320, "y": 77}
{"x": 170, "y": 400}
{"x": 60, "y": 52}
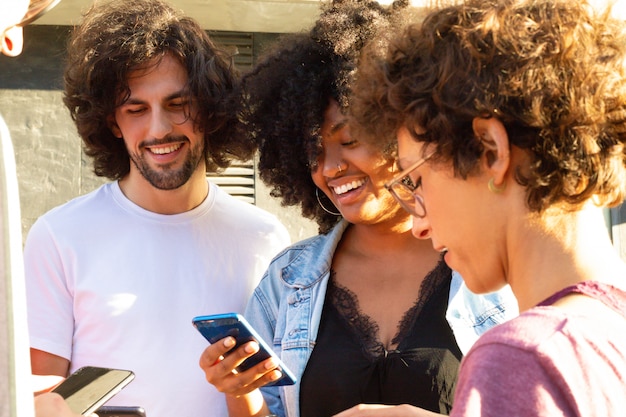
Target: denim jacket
{"x": 286, "y": 308}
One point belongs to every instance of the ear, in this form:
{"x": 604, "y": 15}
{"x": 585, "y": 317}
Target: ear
{"x": 115, "y": 129}
{"x": 492, "y": 133}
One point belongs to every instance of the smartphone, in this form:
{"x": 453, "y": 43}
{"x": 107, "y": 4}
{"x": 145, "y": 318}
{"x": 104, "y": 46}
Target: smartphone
{"x": 119, "y": 411}
{"x": 218, "y": 326}
{"x": 90, "y": 387}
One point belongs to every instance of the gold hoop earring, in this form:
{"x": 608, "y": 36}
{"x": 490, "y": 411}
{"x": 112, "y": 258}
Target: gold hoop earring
{"x": 494, "y": 188}
{"x": 317, "y": 195}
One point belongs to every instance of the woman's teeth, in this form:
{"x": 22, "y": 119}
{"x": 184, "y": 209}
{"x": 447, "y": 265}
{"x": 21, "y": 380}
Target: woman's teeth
{"x": 347, "y": 187}
{"x": 166, "y": 149}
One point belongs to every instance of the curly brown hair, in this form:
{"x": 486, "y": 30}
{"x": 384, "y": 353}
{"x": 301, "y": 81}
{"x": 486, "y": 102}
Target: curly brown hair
{"x": 119, "y": 36}
{"x": 286, "y": 93}
{"x": 551, "y": 70}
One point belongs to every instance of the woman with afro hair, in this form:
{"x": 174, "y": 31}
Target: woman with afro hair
{"x": 363, "y": 312}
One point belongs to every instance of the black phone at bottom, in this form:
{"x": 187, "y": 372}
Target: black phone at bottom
{"x": 120, "y": 411}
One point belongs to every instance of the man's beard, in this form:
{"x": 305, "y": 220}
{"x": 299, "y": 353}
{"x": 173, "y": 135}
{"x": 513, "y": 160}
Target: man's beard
{"x": 165, "y": 178}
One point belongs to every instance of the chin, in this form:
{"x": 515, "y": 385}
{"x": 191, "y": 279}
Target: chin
{"x": 478, "y": 286}
{"x": 474, "y": 285}
{"x": 476, "y": 289}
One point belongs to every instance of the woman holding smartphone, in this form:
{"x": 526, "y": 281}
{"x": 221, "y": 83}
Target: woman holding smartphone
{"x": 517, "y": 109}
{"x": 363, "y": 312}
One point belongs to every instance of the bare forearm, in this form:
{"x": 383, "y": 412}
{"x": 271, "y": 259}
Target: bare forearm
{"x": 243, "y": 396}
{"x": 248, "y": 405}
{"x": 44, "y": 363}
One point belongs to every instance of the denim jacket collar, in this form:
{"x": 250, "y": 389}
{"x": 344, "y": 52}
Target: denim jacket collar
{"x": 300, "y": 271}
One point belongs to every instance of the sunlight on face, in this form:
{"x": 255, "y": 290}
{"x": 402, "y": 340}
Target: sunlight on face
{"x": 157, "y": 124}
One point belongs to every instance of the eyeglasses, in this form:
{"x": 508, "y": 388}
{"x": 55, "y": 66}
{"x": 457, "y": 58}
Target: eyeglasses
{"x": 36, "y": 9}
{"x": 405, "y": 190}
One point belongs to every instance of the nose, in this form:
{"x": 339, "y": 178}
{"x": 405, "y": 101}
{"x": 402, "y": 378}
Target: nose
{"x": 331, "y": 167}
{"x": 160, "y": 124}
{"x": 421, "y": 227}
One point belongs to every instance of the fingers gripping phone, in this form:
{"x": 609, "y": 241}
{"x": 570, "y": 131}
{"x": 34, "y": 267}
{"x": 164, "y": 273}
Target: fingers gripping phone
{"x": 218, "y": 326}
{"x": 90, "y": 387}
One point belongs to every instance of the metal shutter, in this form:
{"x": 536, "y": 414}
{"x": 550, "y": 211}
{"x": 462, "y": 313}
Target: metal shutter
{"x": 238, "y": 179}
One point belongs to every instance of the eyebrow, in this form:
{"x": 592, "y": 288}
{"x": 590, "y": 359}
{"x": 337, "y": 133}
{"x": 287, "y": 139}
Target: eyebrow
{"x": 175, "y": 95}
{"x": 335, "y": 128}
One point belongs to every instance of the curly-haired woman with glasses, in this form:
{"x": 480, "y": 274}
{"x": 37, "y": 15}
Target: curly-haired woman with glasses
{"x": 516, "y": 111}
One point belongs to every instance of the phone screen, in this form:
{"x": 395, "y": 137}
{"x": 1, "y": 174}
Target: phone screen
{"x": 216, "y": 327}
{"x": 90, "y": 387}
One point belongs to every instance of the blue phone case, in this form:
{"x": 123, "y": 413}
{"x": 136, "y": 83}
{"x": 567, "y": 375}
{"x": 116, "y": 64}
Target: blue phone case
{"x": 218, "y": 326}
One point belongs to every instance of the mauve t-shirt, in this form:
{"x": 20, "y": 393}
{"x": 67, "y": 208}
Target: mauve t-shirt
{"x": 549, "y": 362}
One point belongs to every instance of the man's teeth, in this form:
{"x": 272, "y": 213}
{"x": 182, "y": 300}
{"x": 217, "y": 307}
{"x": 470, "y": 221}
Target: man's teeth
{"x": 166, "y": 149}
{"x": 347, "y": 187}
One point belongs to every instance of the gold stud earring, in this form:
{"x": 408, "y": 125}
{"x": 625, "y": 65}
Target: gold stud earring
{"x": 494, "y": 188}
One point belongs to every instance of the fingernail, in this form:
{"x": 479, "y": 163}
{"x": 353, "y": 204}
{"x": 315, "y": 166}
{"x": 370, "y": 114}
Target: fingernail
{"x": 229, "y": 341}
{"x": 270, "y": 364}
{"x": 275, "y": 375}
{"x": 251, "y": 347}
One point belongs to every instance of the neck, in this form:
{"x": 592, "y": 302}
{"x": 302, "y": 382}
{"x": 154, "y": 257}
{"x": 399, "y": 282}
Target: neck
{"x": 560, "y": 249}
{"x": 182, "y": 199}
{"x": 385, "y": 239}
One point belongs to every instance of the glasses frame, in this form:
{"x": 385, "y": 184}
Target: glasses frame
{"x": 397, "y": 181}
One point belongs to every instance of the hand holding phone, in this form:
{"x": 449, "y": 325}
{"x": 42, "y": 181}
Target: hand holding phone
{"x": 90, "y": 387}
{"x": 218, "y": 326}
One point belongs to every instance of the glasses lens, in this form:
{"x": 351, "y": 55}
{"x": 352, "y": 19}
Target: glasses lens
{"x": 409, "y": 201}
{"x": 419, "y": 210}
{"x": 36, "y": 9}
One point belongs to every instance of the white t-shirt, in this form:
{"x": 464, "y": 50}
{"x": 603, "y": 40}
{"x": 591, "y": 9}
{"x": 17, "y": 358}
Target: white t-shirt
{"x": 111, "y": 284}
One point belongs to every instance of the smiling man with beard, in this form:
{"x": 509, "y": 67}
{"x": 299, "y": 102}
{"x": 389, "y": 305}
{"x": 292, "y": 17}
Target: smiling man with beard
{"x": 114, "y": 277}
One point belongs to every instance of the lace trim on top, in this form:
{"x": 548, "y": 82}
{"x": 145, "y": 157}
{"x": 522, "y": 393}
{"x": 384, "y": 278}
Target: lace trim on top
{"x": 347, "y": 305}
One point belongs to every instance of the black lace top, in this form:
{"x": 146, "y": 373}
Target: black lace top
{"x": 350, "y": 366}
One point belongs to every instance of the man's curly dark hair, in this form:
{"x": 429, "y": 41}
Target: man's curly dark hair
{"x": 286, "y": 94}
{"x": 120, "y": 36}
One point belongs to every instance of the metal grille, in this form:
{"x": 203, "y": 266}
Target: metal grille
{"x": 238, "y": 179}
